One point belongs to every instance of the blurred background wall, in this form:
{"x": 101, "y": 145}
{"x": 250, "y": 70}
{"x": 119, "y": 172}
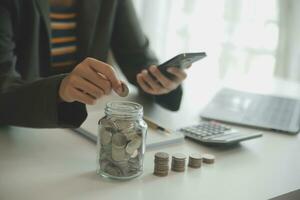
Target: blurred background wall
{"x": 241, "y": 37}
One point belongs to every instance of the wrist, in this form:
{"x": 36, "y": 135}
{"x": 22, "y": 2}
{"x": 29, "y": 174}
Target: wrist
{"x": 60, "y": 97}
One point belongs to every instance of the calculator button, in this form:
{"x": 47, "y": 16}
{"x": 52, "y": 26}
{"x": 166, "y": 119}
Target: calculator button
{"x": 207, "y": 137}
{"x": 229, "y": 137}
{"x": 223, "y": 134}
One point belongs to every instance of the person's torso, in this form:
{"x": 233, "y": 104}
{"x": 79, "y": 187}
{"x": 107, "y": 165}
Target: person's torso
{"x": 33, "y": 34}
{"x": 63, "y": 41}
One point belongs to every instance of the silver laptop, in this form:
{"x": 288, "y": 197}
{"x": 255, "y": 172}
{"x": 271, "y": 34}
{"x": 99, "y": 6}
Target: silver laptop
{"x": 257, "y": 110}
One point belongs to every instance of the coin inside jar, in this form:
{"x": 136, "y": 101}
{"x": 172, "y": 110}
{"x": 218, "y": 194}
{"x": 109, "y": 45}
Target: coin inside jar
{"x": 133, "y": 145}
{"x": 118, "y": 154}
{"x": 121, "y": 136}
{"x": 130, "y": 135}
{"x": 105, "y": 137}
{"x": 124, "y": 125}
{"x": 134, "y": 154}
{"x": 119, "y": 140}
{"x": 108, "y": 123}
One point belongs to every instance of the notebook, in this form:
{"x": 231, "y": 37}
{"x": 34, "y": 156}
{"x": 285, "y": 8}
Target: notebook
{"x": 155, "y": 138}
{"x": 257, "y": 110}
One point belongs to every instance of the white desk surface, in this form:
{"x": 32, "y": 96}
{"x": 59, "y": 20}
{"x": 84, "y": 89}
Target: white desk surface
{"x": 59, "y": 164}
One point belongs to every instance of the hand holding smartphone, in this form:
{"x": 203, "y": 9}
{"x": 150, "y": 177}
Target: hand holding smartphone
{"x": 181, "y": 61}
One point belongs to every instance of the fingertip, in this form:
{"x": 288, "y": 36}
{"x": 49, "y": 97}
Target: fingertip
{"x": 139, "y": 78}
{"x": 119, "y": 89}
{"x": 116, "y": 84}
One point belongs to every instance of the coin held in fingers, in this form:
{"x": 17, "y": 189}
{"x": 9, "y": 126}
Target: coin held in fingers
{"x": 125, "y": 90}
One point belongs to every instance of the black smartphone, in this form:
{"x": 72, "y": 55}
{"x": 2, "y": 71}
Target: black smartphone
{"x": 181, "y": 61}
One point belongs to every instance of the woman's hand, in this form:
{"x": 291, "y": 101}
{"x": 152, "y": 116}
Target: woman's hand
{"x": 90, "y": 80}
{"x": 160, "y": 84}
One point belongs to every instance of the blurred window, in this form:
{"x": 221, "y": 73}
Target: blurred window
{"x": 239, "y": 36}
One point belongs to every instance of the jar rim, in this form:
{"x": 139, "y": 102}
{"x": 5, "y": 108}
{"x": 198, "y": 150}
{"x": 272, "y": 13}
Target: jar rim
{"x": 124, "y": 109}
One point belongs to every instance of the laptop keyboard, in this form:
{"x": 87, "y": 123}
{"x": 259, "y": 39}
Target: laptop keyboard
{"x": 265, "y": 111}
{"x": 271, "y": 111}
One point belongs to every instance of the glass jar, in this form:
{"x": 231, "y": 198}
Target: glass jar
{"x": 121, "y": 140}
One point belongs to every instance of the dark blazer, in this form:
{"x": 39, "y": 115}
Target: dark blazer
{"x": 29, "y": 87}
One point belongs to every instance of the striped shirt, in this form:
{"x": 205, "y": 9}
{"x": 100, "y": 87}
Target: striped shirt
{"x": 64, "y": 40}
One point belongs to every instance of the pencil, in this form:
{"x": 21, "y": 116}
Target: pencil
{"x": 153, "y": 125}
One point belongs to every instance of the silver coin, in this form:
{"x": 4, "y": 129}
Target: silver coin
{"x": 112, "y": 170}
{"x": 108, "y": 124}
{"x": 135, "y": 162}
{"x": 133, "y": 145}
{"x": 179, "y": 156}
{"x": 196, "y": 156}
{"x": 119, "y": 140}
{"x": 134, "y": 154}
{"x": 125, "y": 124}
{"x": 105, "y": 137}
{"x": 162, "y": 155}
{"x": 125, "y": 90}
{"x": 130, "y": 135}
{"x": 118, "y": 154}
{"x": 208, "y": 158}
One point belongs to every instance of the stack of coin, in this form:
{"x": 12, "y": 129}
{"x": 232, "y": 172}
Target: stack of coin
{"x": 208, "y": 158}
{"x": 178, "y": 162}
{"x": 161, "y": 164}
{"x": 195, "y": 160}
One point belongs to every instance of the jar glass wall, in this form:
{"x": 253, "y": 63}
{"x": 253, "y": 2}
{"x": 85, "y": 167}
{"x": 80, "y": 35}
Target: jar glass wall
{"x": 121, "y": 140}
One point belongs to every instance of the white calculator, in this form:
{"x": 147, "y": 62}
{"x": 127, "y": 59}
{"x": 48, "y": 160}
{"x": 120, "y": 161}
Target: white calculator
{"x": 215, "y": 133}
